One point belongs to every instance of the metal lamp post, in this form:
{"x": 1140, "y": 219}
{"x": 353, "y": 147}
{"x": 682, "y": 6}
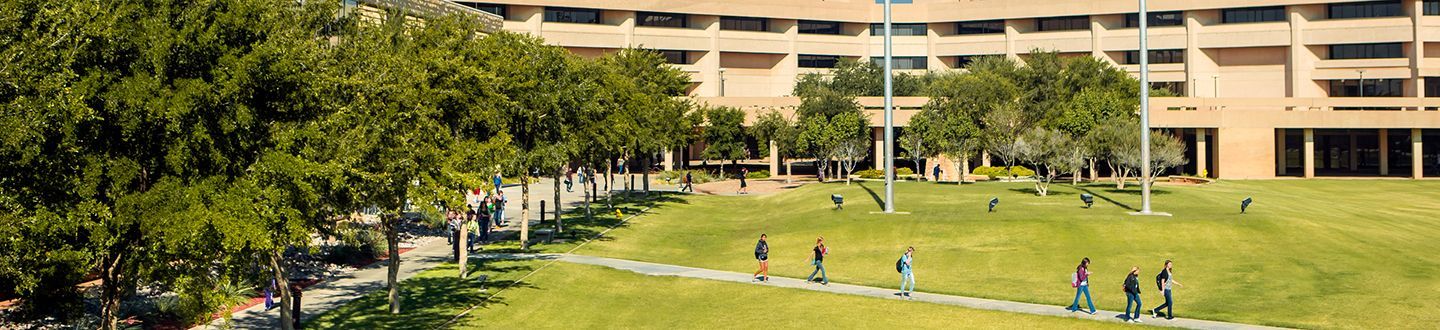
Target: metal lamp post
{"x": 889, "y": 121}
{"x": 1144, "y": 112}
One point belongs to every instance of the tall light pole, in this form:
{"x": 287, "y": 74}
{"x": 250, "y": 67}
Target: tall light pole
{"x": 1144, "y": 112}
{"x": 889, "y": 121}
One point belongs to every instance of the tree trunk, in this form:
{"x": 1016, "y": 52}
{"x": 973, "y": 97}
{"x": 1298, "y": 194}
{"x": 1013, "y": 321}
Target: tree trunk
{"x": 788, "y": 173}
{"x": 463, "y": 254}
{"x": 645, "y": 174}
{"x": 524, "y": 212}
{"x": 1075, "y": 178}
{"x": 1094, "y": 172}
{"x": 589, "y": 190}
{"x": 110, "y": 291}
{"x": 392, "y": 277}
{"x": 609, "y": 176}
{"x": 287, "y": 321}
{"x": 559, "y": 175}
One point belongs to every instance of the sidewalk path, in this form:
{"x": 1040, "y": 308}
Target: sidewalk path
{"x": 888, "y": 293}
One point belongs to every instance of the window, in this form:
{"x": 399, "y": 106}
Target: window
{"x": 902, "y": 62}
{"x": 485, "y": 7}
{"x": 1166, "y": 18}
{"x": 901, "y": 29}
{"x": 1364, "y": 9}
{"x": 1253, "y": 15}
{"x": 572, "y": 15}
{"x": 1176, "y": 88}
{"x": 744, "y": 23}
{"x": 1159, "y": 56}
{"x": 662, "y": 19}
{"x": 1367, "y": 87}
{"x": 819, "y": 27}
{"x": 964, "y": 60}
{"x": 819, "y": 61}
{"x": 1353, "y": 51}
{"x": 1431, "y": 8}
{"x": 1064, "y": 23}
{"x": 983, "y": 27}
{"x": 1432, "y": 86}
{"x": 676, "y": 56}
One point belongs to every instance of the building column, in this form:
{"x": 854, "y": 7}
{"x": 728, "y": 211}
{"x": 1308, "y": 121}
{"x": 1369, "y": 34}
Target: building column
{"x": 878, "y": 136}
{"x": 1309, "y": 153}
{"x": 774, "y": 159}
{"x": 1384, "y": 152}
{"x": 1281, "y": 163}
{"x": 1200, "y": 149}
{"x": 668, "y": 159}
{"x": 1417, "y": 152}
{"x": 984, "y": 159}
{"x": 1354, "y": 158}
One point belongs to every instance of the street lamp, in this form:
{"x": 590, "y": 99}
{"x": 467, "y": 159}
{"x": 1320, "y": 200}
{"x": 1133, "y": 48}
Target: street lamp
{"x": 1362, "y": 82}
{"x": 889, "y": 120}
{"x": 1215, "y": 83}
{"x": 722, "y": 82}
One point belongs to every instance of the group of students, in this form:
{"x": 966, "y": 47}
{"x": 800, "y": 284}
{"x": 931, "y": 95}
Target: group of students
{"x": 479, "y": 220}
{"x": 905, "y": 266}
{"x": 1164, "y": 281}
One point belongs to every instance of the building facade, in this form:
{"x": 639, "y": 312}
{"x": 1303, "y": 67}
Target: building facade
{"x": 1302, "y": 88}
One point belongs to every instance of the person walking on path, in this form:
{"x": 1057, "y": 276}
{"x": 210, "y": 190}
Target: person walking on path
{"x": 569, "y": 178}
{"x": 688, "y": 183}
{"x": 1081, "y": 282}
{"x": 499, "y": 206}
{"x": 907, "y": 272}
{"x": 744, "y": 172}
{"x": 762, "y": 253}
{"x": 498, "y": 180}
{"x": 1132, "y": 294}
{"x": 819, "y": 261}
{"x": 937, "y": 172}
{"x": 482, "y": 221}
{"x": 1165, "y": 280}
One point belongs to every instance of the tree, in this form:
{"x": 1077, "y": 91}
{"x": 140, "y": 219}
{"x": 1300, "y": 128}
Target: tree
{"x": 724, "y": 136}
{"x": 1119, "y": 145}
{"x": 850, "y": 152}
{"x": 1166, "y": 152}
{"x": 1050, "y": 153}
{"x": 1004, "y": 127}
{"x": 915, "y": 148}
{"x": 861, "y": 78}
{"x": 650, "y": 117}
{"x": 781, "y": 134}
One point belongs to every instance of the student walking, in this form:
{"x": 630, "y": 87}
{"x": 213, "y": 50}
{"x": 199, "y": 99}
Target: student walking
{"x": 687, "y": 184}
{"x": 1132, "y": 294}
{"x": 499, "y": 206}
{"x": 762, "y": 254}
{"x": 937, "y": 172}
{"x": 1165, "y": 280}
{"x": 1081, "y": 282}
{"x": 819, "y": 261}
{"x": 744, "y": 172}
{"x": 907, "y": 272}
{"x": 569, "y": 178}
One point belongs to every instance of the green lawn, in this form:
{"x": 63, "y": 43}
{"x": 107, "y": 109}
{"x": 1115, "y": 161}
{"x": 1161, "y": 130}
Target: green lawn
{"x": 569, "y": 296}
{"x": 1310, "y": 253}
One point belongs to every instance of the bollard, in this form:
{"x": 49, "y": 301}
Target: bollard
{"x": 542, "y": 211}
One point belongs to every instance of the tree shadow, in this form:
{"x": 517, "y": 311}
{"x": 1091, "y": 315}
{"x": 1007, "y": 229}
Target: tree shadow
{"x": 1136, "y": 192}
{"x": 426, "y": 302}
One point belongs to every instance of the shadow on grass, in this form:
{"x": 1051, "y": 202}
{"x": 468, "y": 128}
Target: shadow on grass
{"x": 580, "y": 226}
{"x": 1086, "y": 189}
{"x": 1136, "y": 191}
{"x": 1032, "y": 191}
{"x": 878, "y": 201}
{"x": 426, "y": 302}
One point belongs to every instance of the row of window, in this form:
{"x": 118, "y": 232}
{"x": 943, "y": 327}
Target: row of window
{"x": 1157, "y": 56}
{"x": 1388, "y": 8}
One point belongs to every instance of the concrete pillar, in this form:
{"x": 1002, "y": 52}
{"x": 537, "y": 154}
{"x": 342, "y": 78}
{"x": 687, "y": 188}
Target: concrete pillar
{"x": 878, "y": 135}
{"x": 1201, "y": 146}
{"x": 1384, "y": 152}
{"x": 1417, "y": 160}
{"x": 1354, "y": 157}
{"x": 1280, "y": 153}
{"x": 668, "y": 159}
{"x": 1309, "y": 153}
{"x": 984, "y": 159}
{"x": 774, "y": 159}
{"x": 1417, "y": 49}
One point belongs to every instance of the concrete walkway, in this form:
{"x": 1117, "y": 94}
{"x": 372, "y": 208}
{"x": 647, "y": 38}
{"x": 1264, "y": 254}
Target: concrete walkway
{"x": 888, "y": 293}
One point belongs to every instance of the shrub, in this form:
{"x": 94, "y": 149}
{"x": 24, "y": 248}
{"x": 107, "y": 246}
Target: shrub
{"x": 880, "y": 174}
{"x": 761, "y": 174}
{"x": 674, "y": 177}
{"x": 904, "y": 171}
{"x": 999, "y": 171}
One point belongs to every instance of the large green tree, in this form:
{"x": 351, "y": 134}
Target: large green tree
{"x": 724, "y": 135}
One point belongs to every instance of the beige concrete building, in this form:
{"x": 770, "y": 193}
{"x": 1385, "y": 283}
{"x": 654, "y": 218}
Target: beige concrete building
{"x": 1302, "y": 88}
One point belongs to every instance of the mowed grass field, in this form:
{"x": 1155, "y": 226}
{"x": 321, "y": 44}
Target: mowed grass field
{"x": 1309, "y": 253}
{"x": 571, "y": 296}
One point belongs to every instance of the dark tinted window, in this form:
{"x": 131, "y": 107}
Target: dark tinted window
{"x": 1175, "y": 87}
{"x": 964, "y": 60}
{"x": 1367, "y": 87}
{"x": 819, "y": 61}
{"x": 902, "y": 62}
{"x": 744, "y": 23}
{"x": 901, "y": 29}
{"x": 1064, "y": 23}
{"x": 676, "y": 56}
{"x": 1431, "y": 8}
{"x": 1351, "y": 51}
{"x": 1432, "y": 86}
{"x": 1159, "y": 56}
{"x": 983, "y": 27}
{"x": 819, "y": 27}
{"x": 1164, "y": 18}
{"x": 572, "y": 15}
{"x": 1253, "y": 14}
{"x": 662, "y": 19}
{"x": 485, "y": 7}
{"x": 1364, "y": 9}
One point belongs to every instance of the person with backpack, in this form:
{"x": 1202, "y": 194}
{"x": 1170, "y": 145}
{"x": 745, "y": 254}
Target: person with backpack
{"x": 819, "y": 261}
{"x": 688, "y": 184}
{"x": 1164, "y": 281}
{"x": 762, "y": 253}
{"x": 907, "y": 274}
{"x": 1132, "y": 294}
{"x": 744, "y": 172}
{"x": 1080, "y": 280}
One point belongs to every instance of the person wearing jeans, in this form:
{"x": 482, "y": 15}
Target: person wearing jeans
{"x": 1082, "y": 286}
{"x": 907, "y": 273}
{"x": 1132, "y": 295}
{"x": 1167, "y": 277}
{"x": 819, "y": 261}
